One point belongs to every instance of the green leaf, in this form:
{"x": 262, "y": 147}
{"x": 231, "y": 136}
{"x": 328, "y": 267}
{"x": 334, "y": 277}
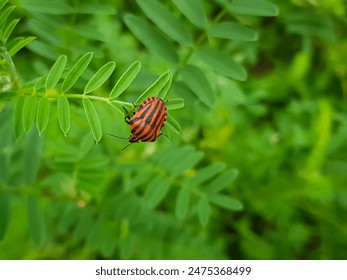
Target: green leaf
{"x": 9, "y": 28}
{"x": 70, "y": 214}
{"x": 109, "y": 242}
{"x": 155, "y": 88}
{"x": 4, "y": 14}
{"x": 47, "y": 7}
{"x": 83, "y": 226}
{"x": 166, "y": 21}
{"x": 87, "y": 144}
{"x": 156, "y": 191}
{"x": 203, "y": 210}
{"x": 233, "y": 31}
{"x": 42, "y": 117}
{"x": 205, "y": 173}
{"x": 76, "y": 71}
{"x": 32, "y": 157}
{"x": 36, "y": 222}
{"x": 177, "y": 161}
{"x": 43, "y": 30}
{"x": 193, "y": 11}
{"x": 64, "y": 114}
{"x": 222, "y": 181}
{"x": 151, "y": 38}
{"x": 226, "y": 202}
{"x": 56, "y": 71}
{"x": 100, "y": 77}
{"x": 29, "y": 112}
{"x": 222, "y": 63}
{"x": 164, "y": 91}
{"x": 40, "y": 82}
{"x": 173, "y": 124}
{"x": 6, "y": 145}
{"x": 253, "y": 8}
{"x": 18, "y": 116}
{"x": 94, "y": 239}
{"x": 195, "y": 79}
{"x": 19, "y": 44}
{"x": 176, "y": 103}
{"x": 93, "y": 9}
{"x": 93, "y": 119}
{"x": 139, "y": 179}
{"x": 4, "y": 214}
{"x": 182, "y": 203}
{"x": 126, "y": 79}
{"x": 3, "y": 3}
{"x": 166, "y": 133}
{"x": 43, "y": 50}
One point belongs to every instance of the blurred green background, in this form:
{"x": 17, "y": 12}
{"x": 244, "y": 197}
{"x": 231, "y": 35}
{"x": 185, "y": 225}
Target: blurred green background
{"x": 258, "y": 171}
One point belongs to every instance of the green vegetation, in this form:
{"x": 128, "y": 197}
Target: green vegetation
{"x": 255, "y": 164}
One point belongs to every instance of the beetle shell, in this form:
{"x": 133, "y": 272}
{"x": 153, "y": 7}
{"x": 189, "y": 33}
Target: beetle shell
{"x": 147, "y": 122}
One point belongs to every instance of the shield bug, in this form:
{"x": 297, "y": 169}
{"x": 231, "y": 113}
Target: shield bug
{"x": 147, "y": 122}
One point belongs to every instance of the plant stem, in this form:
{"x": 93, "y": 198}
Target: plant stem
{"x": 82, "y": 96}
{"x": 202, "y": 37}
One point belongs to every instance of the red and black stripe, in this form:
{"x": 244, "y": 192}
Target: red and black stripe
{"x": 147, "y": 122}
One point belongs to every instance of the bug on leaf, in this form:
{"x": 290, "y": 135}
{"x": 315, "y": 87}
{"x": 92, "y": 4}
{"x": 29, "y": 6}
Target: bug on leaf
{"x": 147, "y": 122}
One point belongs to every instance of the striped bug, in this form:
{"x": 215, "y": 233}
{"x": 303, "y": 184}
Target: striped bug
{"x": 147, "y": 122}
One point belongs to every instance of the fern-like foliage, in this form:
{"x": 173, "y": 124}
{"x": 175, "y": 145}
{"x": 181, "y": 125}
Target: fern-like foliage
{"x": 33, "y": 101}
{"x": 58, "y": 84}
{"x": 9, "y": 46}
{"x": 208, "y": 47}
{"x": 95, "y": 196}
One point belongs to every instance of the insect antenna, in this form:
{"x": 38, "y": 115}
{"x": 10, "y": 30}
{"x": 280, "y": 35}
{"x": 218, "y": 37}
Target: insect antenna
{"x": 119, "y": 137}
{"x": 127, "y": 146}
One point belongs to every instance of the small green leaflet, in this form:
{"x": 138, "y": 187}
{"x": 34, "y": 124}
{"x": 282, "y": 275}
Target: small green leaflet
{"x": 29, "y": 112}
{"x": 64, "y": 114}
{"x": 56, "y": 71}
{"x": 222, "y": 63}
{"x": 176, "y": 103}
{"x": 48, "y": 7}
{"x": 253, "y": 8}
{"x": 155, "y": 194}
{"x": 18, "y": 116}
{"x": 226, "y": 202}
{"x": 197, "y": 82}
{"x": 36, "y": 222}
{"x": 203, "y": 210}
{"x": 173, "y": 124}
{"x": 17, "y": 44}
{"x": 166, "y": 21}
{"x": 100, "y": 77}
{"x": 76, "y": 71}
{"x": 151, "y": 38}
{"x": 233, "y": 31}
{"x": 9, "y": 29}
{"x": 42, "y": 117}
{"x": 4, "y": 14}
{"x": 93, "y": 119}
{"x": 156, "y": 88}
{"x": 126, "y": 79}
{"x": 182, "y": 203}
{"x": 193, "y": 11}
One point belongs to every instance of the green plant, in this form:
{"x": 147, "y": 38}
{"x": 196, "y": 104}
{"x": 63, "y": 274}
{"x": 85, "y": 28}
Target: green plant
{"x": 67, "y": 191}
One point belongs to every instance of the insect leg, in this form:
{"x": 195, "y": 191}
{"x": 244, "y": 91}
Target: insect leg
{"x": 127, "y": 117}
